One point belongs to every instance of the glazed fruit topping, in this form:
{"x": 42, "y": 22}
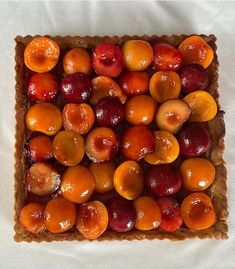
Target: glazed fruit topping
{"x": 170, "y": 212}
{"x": 77, "y": 184}
{"x": 193, "y": 77}
{"x": 203, "y": 106}
{"x": 166, "y": 148}
{"x": 137, "y": 142}
{"x": 128, "y": 180}
{"x": 166, "y": 57}
{"x": 41, "y": 54}
{"x": 109, "y": 112}
{"x": 45, "y": 118}
{"x": 76, "y": 88}
{"x": 140, "y": 109}
{"x": 134, "y": 83}
{"x": 42, "y": 87}
{"x": 68, "y": 148}
{"x": 198, "y": 174}
{"x": 148, "y": 214}
{"x": 104, "y": 86}
{"x": 163, "y": 180}
{"x": 197, "y": 211}
{"x": 101, "y": 144}
{"x": 165, "y": 85}
{"x": 122, "y": 215}
{"x": 137, "y": 55}
{"x": 32, "y": 218}
{"x": 60, "y": 215}
{"x": 77, "y": 60}
{"x": 78, "y": 118}
{"x": 39, "y": 148}
{"x": 43, "y": 179}
{"x": 194, "y": 140}
{"x": 172, "y": 114}
{"x": 92, "y": 219}
{"x": 196, "y": 51}
{"x": 107, "y": 60}
{"x": 103, "y": 174}
{"x": 121, "y": 142}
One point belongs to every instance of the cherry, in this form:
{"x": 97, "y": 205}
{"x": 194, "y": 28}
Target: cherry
{"x": 109, "y": 112}
{"x": 122, "y": 214}
{"x": 193, "y": 78}
{"x": 163, "y": 180}
{"x": 194, "y": 140}
{"x": 76, "y": 88}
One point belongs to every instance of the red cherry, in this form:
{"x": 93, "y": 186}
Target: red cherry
{"x": 107, "y": 60}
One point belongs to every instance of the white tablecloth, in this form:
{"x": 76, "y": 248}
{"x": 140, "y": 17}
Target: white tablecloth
{"x": 113, "y": 18}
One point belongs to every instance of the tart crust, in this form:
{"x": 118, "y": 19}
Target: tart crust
{"x": 216, "y": 126}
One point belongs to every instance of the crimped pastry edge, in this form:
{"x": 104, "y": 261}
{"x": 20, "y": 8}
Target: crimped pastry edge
{"x": 218, "y": 190}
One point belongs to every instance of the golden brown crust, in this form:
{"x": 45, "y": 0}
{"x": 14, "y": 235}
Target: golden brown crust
{"x": 217, "y": 129}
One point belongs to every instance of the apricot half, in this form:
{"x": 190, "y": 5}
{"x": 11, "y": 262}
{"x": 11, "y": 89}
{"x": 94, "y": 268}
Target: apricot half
{"x": 198, "y": 174}
{"x": 60, "y": 215}
{"x": 41, "y": 54}
{"x": 166, "y": 148}
{"x": 45, "y": 118}
{"x": 78, "y": 118}
{"x": 148, "y": 213}
{"x": 196, "y": 51}
{"x": 104, "y": 86}
{"x": 203, "y": 106}
{"x": 92, "y": 219}
{"x": 128, "y": 180}
{"x": 77, "y": 184}
{"x": 172, "y": 114}
{"x": 165, "y": 85}
{"x": 197, "y": 211}
{"x": 68, "y": 148}
{"x": 103, "y": 175}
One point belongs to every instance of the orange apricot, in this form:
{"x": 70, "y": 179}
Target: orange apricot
{"x": 60, "y": 215}
{"x": 45, "y": 118}
{"x": 165, "y": 85}
{"x": 68, "y": 148}
{"x": 197, "y": 211}
{"x": 103, "y": 175}
{"x": 92, "y": 219}
{"x": 137, "y": 55}
{"x": 77, "y": 184}
{"x": 203, "y": 106}
{"x": 78, "y": 118}
{"x": 128, "y": 180}
{"x": 32, "y": 218}
{"x": 77, "y": 60}
{"x": 41, "y": 54}
{"x": 166, "y": 148}
{"x": 140, "y": 109}
{"x": 172, "y": 114}
{"x": 148, "y": 213}
{"x": 196, "y": 51}
{"x": 198, "y": 174}
{"x": 104, "y": 86}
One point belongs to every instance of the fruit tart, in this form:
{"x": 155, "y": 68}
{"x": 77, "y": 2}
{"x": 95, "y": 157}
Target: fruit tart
{"x": 118, "y": 138}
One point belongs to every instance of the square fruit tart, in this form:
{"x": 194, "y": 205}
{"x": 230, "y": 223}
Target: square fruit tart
{"x": 118, "y": 138}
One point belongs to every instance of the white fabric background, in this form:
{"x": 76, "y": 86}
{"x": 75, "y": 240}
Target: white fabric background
{"x": 113, "y": 18}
